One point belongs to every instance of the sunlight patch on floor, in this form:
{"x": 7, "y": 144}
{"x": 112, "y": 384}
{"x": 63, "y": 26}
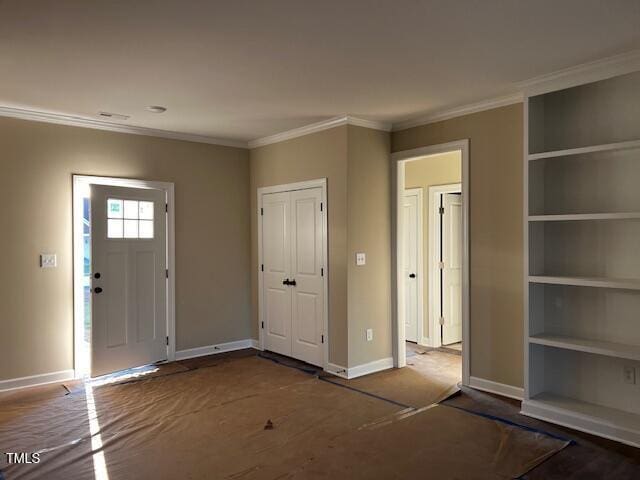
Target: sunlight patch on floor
{"x": 99, "y": 464}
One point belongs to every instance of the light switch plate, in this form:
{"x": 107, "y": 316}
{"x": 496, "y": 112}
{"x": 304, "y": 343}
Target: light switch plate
{"x": 361, "y": 259}
{"x": 48, "y": 260}
{"x": 369, "y": 334}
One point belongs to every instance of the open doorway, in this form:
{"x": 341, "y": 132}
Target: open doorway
{"x": 432, "y": 253}
{"x": 124, "y": 287}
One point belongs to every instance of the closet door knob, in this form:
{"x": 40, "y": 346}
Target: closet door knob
{"x": 412, "y": 275}
{"x": 97, "y": 290}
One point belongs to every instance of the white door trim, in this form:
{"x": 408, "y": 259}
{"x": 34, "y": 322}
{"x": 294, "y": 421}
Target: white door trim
{"x": 434, "y": 247}
{"x": 420, "y": 260}
{"x": 80, "y": 186}
{"x": 322, "y": 183}
{"x": 398, "y": 161}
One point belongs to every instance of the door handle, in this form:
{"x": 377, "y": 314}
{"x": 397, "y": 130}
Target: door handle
{"x": 293, "y": 283}
{"x": 286, "y": 282}
{"x": 412, "y": 275}
{"x": 97, "y": 290}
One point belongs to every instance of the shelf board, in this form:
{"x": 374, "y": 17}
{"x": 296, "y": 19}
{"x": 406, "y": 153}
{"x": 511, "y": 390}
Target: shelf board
{"x": 609, "y": 422}
{"x": 592, "y": 149}
{"x": 610, "y": 349}
{"x": 584, "y": 216}
{"x": 600, "y": 282}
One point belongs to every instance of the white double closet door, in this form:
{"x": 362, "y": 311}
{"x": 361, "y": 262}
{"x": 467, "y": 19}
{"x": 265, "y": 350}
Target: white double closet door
{"x": 293, "y": 284}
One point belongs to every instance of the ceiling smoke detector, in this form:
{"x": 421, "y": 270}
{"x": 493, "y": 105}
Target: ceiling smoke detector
{"x": 113, "y": 116}
{"x": 156, "y": 109}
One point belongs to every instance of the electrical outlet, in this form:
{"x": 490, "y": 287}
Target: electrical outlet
{"x": 629, "y": 375}
{"x": 361, "y": 259}
{"x": 369, "y": 334}
{"x": 48, "y": 260}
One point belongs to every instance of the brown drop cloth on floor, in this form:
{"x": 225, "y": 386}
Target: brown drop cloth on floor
{"x": 436, "y": 442}
{"x": 209, "y": 423}
{"x": 428, "y": 379}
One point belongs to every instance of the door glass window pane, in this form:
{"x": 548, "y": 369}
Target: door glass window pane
{"x": 146, "y": 229}
{"x": 131, "y": 229}
{"x": 129, "y": 218}
{"x": 114, "y": 228}
{"x": 131, "y": 209}
{"x": 146, "y": 210}
{"x": 114, "y": 208}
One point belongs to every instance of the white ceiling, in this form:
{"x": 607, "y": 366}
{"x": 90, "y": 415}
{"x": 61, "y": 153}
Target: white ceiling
{"x": 245, "y": 69}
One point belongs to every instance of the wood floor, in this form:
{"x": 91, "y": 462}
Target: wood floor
{"x": 589, "y": 457}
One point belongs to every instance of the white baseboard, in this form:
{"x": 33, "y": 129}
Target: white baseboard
{"x": 213, "y": 349}
{"x": 255, "y": 344}
{"x": 626, "y": 434}
{"x": 371, "y": 367}
{"x": 33, "y": 380}
{"x": 510, "y": 391}
{"x": 337, "y": 370}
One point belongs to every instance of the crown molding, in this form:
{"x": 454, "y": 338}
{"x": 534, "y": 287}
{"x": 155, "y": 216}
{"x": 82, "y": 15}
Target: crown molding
{"x": 583, "y": 73}
{"x": 76, "y": 121}
{"x": 568, "y": 77}
{"x": 318, "y": 127}
{"x": 459, "y": 111}
{"x": 373, "y": 124}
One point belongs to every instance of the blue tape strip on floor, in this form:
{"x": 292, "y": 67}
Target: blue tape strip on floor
{"x": 312, "y": 371}
{"x": 513, "y": 424}
{"x": 308, "y": 370}
{"x": 324, "y": 379}
{"x": 1, "y": 475}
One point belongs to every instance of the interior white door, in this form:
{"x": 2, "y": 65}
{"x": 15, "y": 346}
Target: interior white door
{"x": 306, "y": 275}
{"x": 452, "y": 268}
{"x": 129, "y": 288}
{"x": 411, "y": 307}
{"x": 276, "y": 255}
{"x": 293, "y": 284}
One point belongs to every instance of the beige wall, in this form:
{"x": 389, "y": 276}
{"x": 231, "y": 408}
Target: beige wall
{"x": 355, "y": 161}
{"x": 212, "y": 235}
{"x": 369, "y": 231}
{"x": 318, "y": 155}
{"x": 442, "y": 169}
{"x": 496, "y": 305}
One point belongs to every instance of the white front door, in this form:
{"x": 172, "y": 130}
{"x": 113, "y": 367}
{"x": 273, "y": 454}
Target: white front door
{"x": 129, "y": 258}
{"x": 293, "y": 295}
{"x": 411, "y": 210}
{"x": 452, "y": 268}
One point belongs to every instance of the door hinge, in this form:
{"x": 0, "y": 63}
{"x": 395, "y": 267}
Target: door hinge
{"x": 322, "y": 338}
{"x": 262, "y": 267}
{"x": 441, "y": 210}
{"x": 166, "y": 207}
{"x": 441, "y": 320}
{"x": 321, "y": 206}
{"x": 261, "y": 324}
{"x": 322, "y": 271}
{"x": 262, "y": 211}
{"x": 441, "y": 265}
{"x": 167, "y": 341}
{"x": 166, "y": 272}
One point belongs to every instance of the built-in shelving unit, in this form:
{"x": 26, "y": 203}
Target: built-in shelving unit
{"x": 584, "y": 216}
{"x": 582, "y": 239}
